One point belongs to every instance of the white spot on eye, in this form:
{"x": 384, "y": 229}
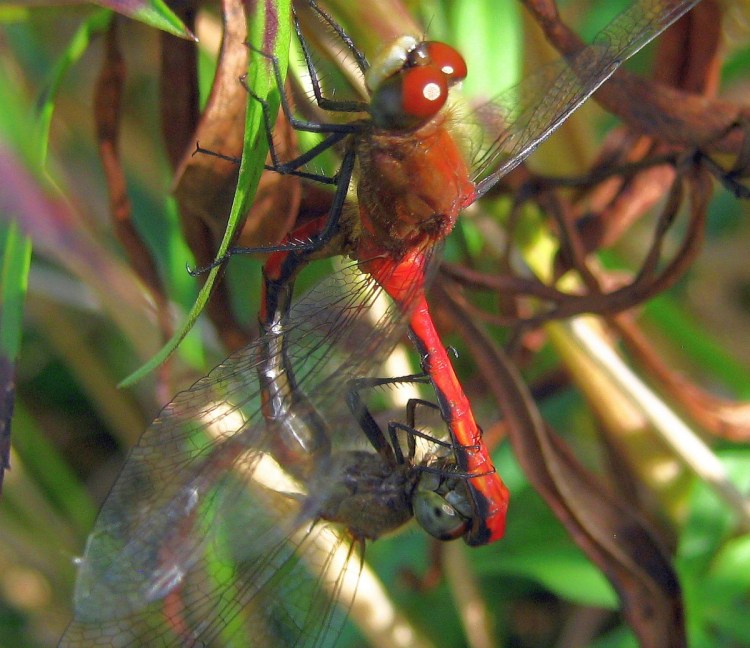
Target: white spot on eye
{"x": 432, "y": 91}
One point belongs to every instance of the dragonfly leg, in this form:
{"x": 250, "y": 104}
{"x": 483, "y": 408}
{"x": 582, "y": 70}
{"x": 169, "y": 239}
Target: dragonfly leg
{"x": 331, "y": 223}
{"x": 285, "y": 168}
{"x": 373, "y": 431}
{"x": 411, "y": 407}
{"x": 335, "y": 134}
{"x": 411, "y": 418}
{"x": 413, "y": 433}
{"x": 368, "y": 424}
{"x": 357, "y": 53}
{"x": 365, "y": 419}
{"x": 325, "y": 103}
{"x": 296, "y": 123}
{"x": 312, "y": 244}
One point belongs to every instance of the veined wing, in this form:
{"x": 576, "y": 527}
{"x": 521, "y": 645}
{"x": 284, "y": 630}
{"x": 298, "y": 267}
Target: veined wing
{"x": 522, "y": 117}
{"x": 195, "y": 545}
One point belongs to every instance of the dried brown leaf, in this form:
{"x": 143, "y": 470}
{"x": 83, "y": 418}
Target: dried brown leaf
{"x": 178, "y": 80}
{"x": 673, "y": 115}
{"x": 107, "y": 101}
{"x": 204, "y": 185}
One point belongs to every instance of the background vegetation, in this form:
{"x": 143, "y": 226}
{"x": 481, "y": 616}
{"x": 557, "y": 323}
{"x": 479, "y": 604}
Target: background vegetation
{"x": 88, "y": 319}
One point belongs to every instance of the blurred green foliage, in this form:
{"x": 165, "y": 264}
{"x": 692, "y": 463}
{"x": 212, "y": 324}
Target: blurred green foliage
{"x": 88, "y": 324}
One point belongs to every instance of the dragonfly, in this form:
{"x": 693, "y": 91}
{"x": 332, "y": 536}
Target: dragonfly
{"x": 230, "y": 516}
{"x": 208, "y": 535}
{"x": 413, "y": 181}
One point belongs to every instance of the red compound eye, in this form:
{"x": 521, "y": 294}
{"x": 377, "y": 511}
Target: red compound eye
{"x": 410, "y": 98}
{"x": 424, "y": 91}
{"x": 448, "y": 60}
{"x": 412, "y": 95}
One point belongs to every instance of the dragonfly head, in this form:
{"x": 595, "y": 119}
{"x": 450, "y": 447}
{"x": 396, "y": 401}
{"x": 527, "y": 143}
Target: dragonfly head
{"x": 409, "y": 82}
{"x": 441, "y": 506}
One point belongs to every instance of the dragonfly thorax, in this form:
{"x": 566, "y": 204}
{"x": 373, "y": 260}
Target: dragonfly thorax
{"x": 372, "y": 497}
{"x": 413, "y": 185}
{"x": 364, "y": 492}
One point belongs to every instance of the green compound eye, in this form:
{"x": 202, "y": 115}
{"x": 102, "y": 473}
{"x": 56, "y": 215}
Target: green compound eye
{"x": 436, "y": 516}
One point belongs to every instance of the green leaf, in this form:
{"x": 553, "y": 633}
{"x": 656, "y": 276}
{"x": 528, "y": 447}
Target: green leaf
{"x": 52, "y": 473}
{"x": 14, "y": 277}
{"x": 732, "y": 566}
{"x": 94, "y": 24}
{"x": 714, "y": 565}
{"x": 696, "y": 345}
{"x": 710, "y": 522}
{"x": 13, "y": 13}
{"x": 151, "y": 12}
{"x": 565, "y": 571}
{"x": 537, "y": 548}
{"x": 619, "y": 638}
{"x": 269, "y": 31}
{"x": 488, "y": 26}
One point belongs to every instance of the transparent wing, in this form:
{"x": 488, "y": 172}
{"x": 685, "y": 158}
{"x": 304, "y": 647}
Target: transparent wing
{"x": 196, "y": 544}
{"x": 254, "y": 585}
{"x": 518, "y": 120}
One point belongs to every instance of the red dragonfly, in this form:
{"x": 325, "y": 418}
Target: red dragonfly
{"x": 209, "y": 532}
{"x": 414, "y": 181}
